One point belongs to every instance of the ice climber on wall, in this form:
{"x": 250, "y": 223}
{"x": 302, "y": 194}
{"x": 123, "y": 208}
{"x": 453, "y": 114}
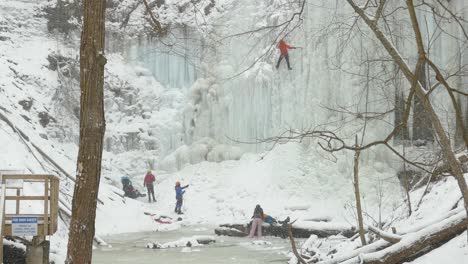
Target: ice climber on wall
{"x": 284, "y": 53}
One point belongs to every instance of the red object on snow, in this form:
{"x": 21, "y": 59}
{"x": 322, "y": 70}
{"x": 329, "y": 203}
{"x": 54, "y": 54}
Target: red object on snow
{"x": 284, "y": 47}
{"x": 149, "y": 178}
{"x": 162, "y": 221}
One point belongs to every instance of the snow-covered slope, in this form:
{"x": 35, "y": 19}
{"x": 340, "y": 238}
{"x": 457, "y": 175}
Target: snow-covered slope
{"x": 33, "y": 121}
{"x": 291, "y": 176}
{"x": 441, "y": 201}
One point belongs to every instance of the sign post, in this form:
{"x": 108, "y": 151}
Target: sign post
{"x": 24, "y": 226}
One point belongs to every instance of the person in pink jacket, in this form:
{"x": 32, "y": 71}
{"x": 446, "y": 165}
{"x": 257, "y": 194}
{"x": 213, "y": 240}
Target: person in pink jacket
{"x": 257, "y": 221}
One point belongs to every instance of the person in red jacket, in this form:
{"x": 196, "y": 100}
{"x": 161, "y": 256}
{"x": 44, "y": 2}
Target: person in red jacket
{"x": 148, "y": 183}
{"x": 284, "y": 53}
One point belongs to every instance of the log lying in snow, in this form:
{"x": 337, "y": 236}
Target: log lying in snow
{"x": 416, "y": 244}
{"x": 302, "y": 229}
{"x": 230, "y": 231}
{"x": 411, "y": 245}
{"x": 378, "y": 245}
{"x": 322, "y": 229}
{"x": 392, "y": 238}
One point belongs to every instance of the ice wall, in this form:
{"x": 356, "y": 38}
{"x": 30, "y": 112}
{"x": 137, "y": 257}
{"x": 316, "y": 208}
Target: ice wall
{"x": 243, "y": 97}
{"x": 172, "y": 60}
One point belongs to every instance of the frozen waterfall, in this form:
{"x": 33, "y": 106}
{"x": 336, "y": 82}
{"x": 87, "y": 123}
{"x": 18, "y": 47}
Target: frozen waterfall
{"x": 246, "y": 101}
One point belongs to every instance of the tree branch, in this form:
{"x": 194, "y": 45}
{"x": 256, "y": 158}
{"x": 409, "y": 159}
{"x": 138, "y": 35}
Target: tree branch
{"x": 293, "y": 246}
{"x": 155, "y": 23}
{"x": 379, "y": 11}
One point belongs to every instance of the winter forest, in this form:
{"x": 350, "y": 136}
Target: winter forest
{"x": 234, "y": 131}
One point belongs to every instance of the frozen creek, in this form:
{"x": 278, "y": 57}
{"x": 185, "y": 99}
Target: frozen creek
{"x": 131, "y": 248}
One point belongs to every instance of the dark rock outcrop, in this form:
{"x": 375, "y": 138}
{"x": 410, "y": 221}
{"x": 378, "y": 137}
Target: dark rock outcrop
{"x": 13, "y": 255}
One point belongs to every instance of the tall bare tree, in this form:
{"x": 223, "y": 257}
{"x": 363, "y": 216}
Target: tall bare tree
{"x": 358, "y": 195}
{"x": 92, "y": 128}
{"x": 417, "y": 88}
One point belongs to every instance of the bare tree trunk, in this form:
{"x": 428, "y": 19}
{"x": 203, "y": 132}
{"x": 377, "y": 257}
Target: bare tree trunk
{"x": 419, "y": 92}
{"x": 293, "y": 246}
{"x": 422, "y": 128}
{"x": 92, "y": 128}
{"x": 358, "y": 195}
{"x": 407, "y": 182}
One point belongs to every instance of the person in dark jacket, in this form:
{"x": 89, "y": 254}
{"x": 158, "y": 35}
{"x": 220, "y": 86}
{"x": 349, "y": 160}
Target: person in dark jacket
{"x": 148, "y": 183}
{"x": 257, "y": 221}
{"x": 284, "y": 53}
{"x": 128, "y": 188}
{"x": 179, "y": 197}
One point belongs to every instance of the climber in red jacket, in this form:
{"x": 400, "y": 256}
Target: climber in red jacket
{"x": 148, "y": 183}
{"x": 284, "y": 53}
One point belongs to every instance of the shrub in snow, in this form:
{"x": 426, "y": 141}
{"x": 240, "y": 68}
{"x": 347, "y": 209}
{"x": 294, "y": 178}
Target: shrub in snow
{"x": 26, "y": 103}
{"x": 63, "y": 16}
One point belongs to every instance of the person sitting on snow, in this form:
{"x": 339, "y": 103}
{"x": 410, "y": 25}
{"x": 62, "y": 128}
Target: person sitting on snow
{"x": 128, "y": 188}
{"x": 131, "y": 192}
{"x": 179, "y": 197}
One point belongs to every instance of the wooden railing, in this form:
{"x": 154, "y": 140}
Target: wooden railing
{"x": 2, "y": 218}
{"x": 46, "y": 220}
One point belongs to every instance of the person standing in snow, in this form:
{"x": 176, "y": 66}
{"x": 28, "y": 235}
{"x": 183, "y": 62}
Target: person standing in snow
{"x": 257, "y": 221}
{"x": 284, "y": 53}
{"x": 179, "y": 197}
{"x": 148, "y": 183}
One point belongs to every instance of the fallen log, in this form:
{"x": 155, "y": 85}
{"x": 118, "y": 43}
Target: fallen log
{"x": 392, "y": 238}
{"x": 414, "y": 245}
{"x": 232, "y": 232}
{"x": 341, "y": 258}
{"x": 302, "y": 229}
